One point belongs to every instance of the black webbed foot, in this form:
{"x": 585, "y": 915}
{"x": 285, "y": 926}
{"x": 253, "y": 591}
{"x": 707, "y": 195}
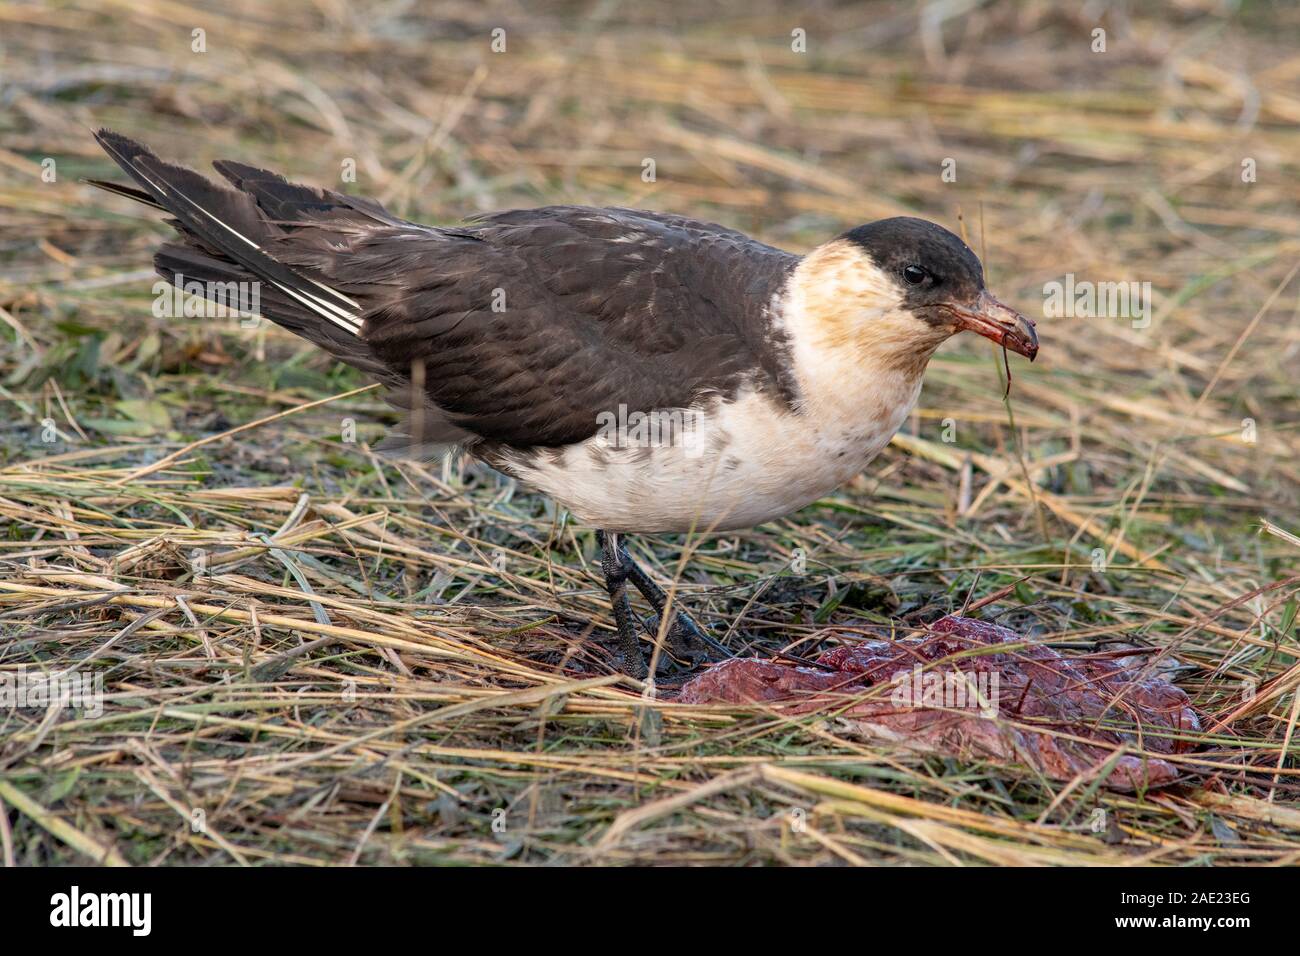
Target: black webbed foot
{"x": 686, "y": 644}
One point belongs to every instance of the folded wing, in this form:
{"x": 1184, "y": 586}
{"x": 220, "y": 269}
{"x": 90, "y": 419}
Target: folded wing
{"x": 518, "y": 328}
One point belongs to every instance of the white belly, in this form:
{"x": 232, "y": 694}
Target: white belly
{"x": 733, "y": 465}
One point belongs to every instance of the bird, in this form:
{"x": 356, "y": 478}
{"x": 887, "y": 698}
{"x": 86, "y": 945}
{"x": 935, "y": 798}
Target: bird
{"x": 649, "y": 372}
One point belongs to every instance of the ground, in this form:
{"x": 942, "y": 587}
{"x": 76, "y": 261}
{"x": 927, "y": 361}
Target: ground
{"x": 312, "y": 655}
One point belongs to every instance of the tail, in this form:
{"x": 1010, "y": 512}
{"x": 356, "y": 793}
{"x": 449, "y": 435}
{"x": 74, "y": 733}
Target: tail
{"x": 265, "y": 230}
{"x": 318, "y": 258}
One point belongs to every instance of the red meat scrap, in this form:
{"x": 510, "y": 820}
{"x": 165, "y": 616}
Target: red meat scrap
{"x": 952, "y": 692}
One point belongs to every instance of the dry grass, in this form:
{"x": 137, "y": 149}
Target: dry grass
{"x": 342, "y": 660}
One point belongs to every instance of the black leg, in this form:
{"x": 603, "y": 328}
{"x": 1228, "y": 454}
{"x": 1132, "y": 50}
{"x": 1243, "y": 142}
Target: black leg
{"x": 629, "y": 646}
{"x": 687, "y": 642}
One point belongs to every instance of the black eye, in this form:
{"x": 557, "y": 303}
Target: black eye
{"x": 915, "y": 275}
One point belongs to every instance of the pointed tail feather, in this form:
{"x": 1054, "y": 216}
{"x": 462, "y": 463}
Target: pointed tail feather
{"x": 229, "y": 222}
{"x": 281, "y": 235}
{"x": 139, "y": 195}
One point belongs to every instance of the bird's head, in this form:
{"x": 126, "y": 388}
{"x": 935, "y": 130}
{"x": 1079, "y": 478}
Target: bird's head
{"x": 897, "y": 288}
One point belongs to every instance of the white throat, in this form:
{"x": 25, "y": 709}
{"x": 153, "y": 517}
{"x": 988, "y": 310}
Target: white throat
{"x": 859, "y": 355}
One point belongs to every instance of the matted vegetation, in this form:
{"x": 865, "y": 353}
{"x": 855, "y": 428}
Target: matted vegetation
{"x": 311, "y": 655}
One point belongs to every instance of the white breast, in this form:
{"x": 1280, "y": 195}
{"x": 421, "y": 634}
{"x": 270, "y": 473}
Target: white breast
{"x": 858, "y": 358}
{"x": 740, "y": 463}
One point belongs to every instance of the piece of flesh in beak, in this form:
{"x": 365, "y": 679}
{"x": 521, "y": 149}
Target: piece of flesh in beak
{"x": 1001, "y": 323}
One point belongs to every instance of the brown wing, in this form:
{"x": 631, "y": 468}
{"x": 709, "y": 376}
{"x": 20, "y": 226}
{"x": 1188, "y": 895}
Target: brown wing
{"x": 522, "y": 326}
{"x": 548, "y": 317}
